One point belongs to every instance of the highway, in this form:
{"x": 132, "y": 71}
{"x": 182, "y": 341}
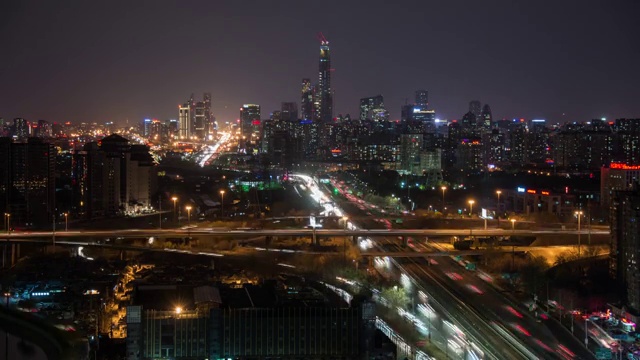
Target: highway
{"x": 290, "y": 232}
{"x": 470, "y": 298}
{"x": 499, "y": 311}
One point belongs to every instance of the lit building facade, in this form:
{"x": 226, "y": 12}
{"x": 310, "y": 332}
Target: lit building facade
{"x": 617, "y": 177}
{"x": 625, "y": 245}
{"x": 306, "y": 100}
{"x": 324, "y": 94}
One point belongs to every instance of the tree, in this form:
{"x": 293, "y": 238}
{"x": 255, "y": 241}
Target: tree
{"x": 396, "y": 297}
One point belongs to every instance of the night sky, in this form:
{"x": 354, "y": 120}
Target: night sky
{"x": 115, "y": 60}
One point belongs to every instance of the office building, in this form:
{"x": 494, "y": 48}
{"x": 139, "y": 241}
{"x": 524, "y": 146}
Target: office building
{"x": 324, "y": 94}
{"x": 422, "y": 98}
{"x": 249, "y": 120}
{"x": 369, "y": 105}
{"x": 475, "y": 108}
{"x": 202, "y": 119}
{"x": 195, "y": 120}
{"x": 184, "y": 121}
{"x": 486, "y": 118}
{"x": 625, "y": 245}
{"x": 306, "y": 101}
{"x": 289, "y": 112}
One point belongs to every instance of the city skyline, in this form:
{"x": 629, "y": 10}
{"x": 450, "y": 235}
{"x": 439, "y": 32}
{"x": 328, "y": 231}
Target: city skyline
{"x": 117, "y": 68}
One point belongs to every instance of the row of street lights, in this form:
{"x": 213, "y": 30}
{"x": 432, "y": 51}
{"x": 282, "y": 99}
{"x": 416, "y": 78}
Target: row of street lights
{"x": 471, "y": 202}
{"x": 189, "y": 207}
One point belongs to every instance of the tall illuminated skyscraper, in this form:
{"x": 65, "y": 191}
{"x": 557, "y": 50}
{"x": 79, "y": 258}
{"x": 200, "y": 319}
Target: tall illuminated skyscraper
{"x": 323, "y": 93}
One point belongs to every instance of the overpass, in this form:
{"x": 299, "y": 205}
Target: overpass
{"x": 138, "y": 233}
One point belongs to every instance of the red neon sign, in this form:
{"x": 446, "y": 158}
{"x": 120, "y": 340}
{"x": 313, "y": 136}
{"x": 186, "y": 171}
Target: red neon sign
{"x": 545, "y": 193}
{"x": 623, "y": 166}
{"x": 530, "y": 191}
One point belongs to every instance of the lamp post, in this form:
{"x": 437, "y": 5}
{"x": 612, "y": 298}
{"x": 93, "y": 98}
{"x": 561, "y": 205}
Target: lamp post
{"x": 66, "y": 222}
{"x": 471, "y": 202}
{"x": 174, "y": 199}
{"x": 443, "y": 188}
{"x": 513, "y": 244}
{"x": 222, "y": 203}
{"x": 498, "y": 192}
{"x": 188, "y": 208}
{"x": 579, "y": 215}
{"x": 344, "y": 240}
{"x": 7, "y": 219}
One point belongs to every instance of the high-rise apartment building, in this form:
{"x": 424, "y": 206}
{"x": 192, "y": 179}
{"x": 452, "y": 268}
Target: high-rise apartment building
{"x": 21, "y": 128}
{"x": 27, "y": 182}
{"x": 113, "y": 177}
{"x": 625, "y": 245}
{"x": 410, "y": 148}
{"x": 617, "y": 177}
{"x": 306, "y": 100}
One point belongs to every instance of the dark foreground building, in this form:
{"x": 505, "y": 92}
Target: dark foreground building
{"x": 252, "y": 322}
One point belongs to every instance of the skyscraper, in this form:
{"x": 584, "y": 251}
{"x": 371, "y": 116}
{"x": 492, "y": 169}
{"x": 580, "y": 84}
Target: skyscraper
{"x": 486, "y": 117}
{"x": 249, "y": 118}
{"x": 368, "y": 105}
{"x": 323, "y": 93}
{"x": 202, "y": 118}
{"x": 475, "y": 107}
{"x": 306, "y": 101}
{"x": 184, "y": 121}
{"x": 422, "y": 97}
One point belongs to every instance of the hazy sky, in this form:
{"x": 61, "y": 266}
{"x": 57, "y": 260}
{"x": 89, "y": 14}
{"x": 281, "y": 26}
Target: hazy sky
{"x": 117, "y": 60}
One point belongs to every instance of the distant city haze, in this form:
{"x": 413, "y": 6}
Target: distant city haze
{"x": 84, "y": 61}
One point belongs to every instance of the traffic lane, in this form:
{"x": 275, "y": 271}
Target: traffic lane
{"x": 472, "y": 323}
{"x": 541, "y": 332}
{"x": 493, "y": 309}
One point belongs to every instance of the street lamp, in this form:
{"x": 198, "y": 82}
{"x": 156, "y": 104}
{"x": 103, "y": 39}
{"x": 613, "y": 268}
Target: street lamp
{"x": 174, "y": 199}
{"x": 579, "y": 215}
{"x": 222, "y": 203}
{"x": 471, "y": 202}
{"x": 66, "y": 222}
{"x": 188, "y": 208}
{"x": 344, "y": 240}
{"x": 443, "y": 188}
{"x": 498, "y": 192}
{"x": 513, "y": 244}
{"x": 7, "y": 220}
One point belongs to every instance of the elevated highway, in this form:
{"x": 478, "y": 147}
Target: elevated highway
{"x": 287, "y": 232}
